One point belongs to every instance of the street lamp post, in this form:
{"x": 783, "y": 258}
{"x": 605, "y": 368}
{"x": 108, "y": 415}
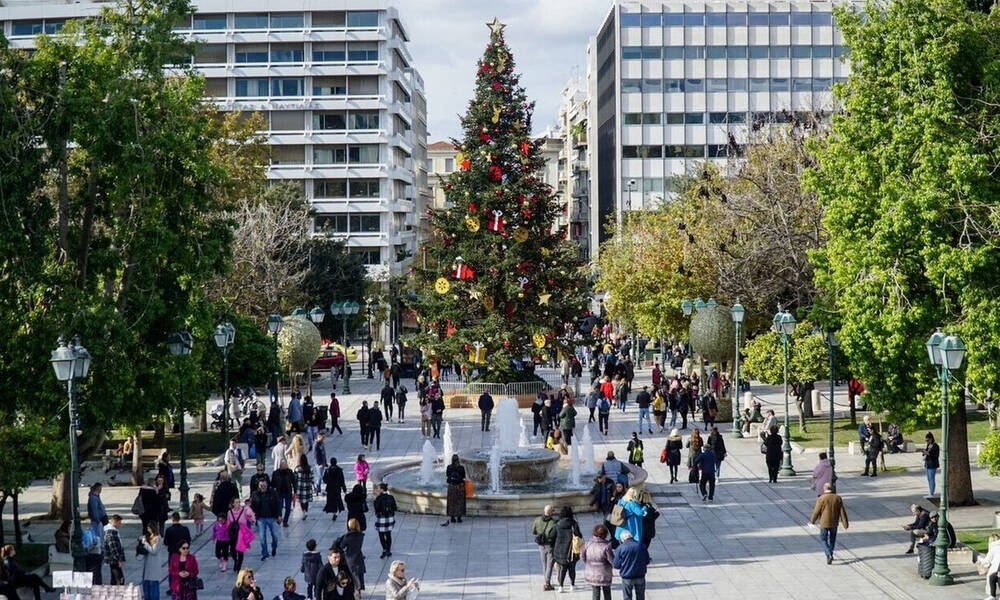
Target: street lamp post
{"x": 831, "y": 343}
{"x": 946, "y": 353}
{"x": 737, "y": 311}
{"x": 345, "y": 310}
{"x": 784, "y": 323}
{"x": 224, "y": 336}
{"x": 274, "y": 325}
{"x": 180, "y": 344}
{"x": 316, "y": 315}
{"x": 72, "y": 363}
{"x": 370, "y": 312}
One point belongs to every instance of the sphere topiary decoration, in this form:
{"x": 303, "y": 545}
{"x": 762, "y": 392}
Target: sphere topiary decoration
{"x": 712, "y": 333}
{"x": 299, "y": 344}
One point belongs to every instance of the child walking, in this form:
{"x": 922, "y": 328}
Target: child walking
{"x": 198, "y": 513}
{"x": 311, "y": 564}
{"x": 221, "y": 537}
{"x": 361, "y": 469}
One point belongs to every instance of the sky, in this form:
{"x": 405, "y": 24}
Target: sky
{"x": 548, "y": 39}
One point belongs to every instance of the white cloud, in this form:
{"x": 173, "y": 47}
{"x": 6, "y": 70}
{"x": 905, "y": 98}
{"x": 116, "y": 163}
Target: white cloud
{"x": 547, "y": 37}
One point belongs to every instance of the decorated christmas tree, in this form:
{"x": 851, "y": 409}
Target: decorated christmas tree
{"x": 497, "y": 280}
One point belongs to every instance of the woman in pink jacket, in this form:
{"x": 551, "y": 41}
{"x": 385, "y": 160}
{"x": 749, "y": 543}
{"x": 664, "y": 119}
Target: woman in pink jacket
{"x": 244, "y": 516}
{"x": 183, "y": 571}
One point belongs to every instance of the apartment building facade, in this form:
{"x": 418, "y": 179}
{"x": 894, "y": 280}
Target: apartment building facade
{"x": 344, "y": 106}
{"x": 575, "y": 179}
{"x": 672, "y": 84}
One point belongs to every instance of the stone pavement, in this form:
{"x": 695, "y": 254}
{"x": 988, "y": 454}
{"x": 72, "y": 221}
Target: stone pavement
{"x": 751, "y": 542}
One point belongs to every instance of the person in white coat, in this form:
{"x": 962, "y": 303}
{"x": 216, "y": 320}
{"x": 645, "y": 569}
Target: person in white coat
{"x": 152, "y": 563}
{"x": 991, "y": 564}
{"x": 278, "y": 453}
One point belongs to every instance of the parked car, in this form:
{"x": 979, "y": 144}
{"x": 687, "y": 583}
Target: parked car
{"x": 333, "y": 355}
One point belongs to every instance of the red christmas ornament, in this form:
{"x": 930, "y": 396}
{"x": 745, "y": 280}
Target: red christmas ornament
{"x": 499, "y": 191}
{"x": 495, "y": 173}
{"x": 461, "y": 271}
{"x": 465, "y": 164}
{"x": 522, "y": 198}
{"x": 484, "y": 137}
{"x": 492, "y": 271}
{"x": 496, "y": 221}
{"x": 472, "y": 207}
{"x": 497, "y": 86}
{"x": 527, "y": 213}
{"x": 549, "y": 335}
{"x": 523, "y": 266}
{"x": 525, "y": 148}
{"x": 550, "y": 282}
{"x": 506, "y": 343}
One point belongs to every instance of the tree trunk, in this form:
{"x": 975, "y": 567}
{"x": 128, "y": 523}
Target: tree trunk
{"x": 3, "y": 502}
{"x": 15, "y": 509}
{"x": 60, "y": 505}
{"x": 854, "y": 410}
{"x": 159, "y": 437}
{"x": 203, "y": 418}
{"x": 959, "y": 473}
{"x": 137, "y": 458}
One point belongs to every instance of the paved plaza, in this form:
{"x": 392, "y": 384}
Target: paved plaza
{"x": 751, "y": 542}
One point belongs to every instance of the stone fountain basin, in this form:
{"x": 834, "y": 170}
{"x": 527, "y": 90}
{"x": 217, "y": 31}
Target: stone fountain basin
{"x": 525, "y": 465}
{"x": 490, "y": 505}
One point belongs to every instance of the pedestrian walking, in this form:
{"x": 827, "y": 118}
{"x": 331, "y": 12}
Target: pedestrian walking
{"x": 631, "y": 559}
{"x": 362, "y": 417}
{"x": 873, "y": 450}
{"x": 283, "y": 485}
{"x": 239, "y": 518}
{"x": 357, "y": 505}
{"x": 719, "y": 446}
{"x": 567, "y": 546}
{"x": 597, "y": 560}
{"x": 246, "y": 588}
{"x": 631, "y": 514}
{"x": 771, "y": 448}
{"x": 375, "y": 427}
{"x": 592, "y": 399}
{"x": 223, "y": 493}
{"x": 544, "y": 531}
{"x": 296, "y": 449}
{"x": 425, "y": 417}
{"x": 319, "y": 458}
{"x": 388, "y": 398}
{"x": 397, "y": 587}
{"x": 695, "y": 445}
{"x": 989, "y": 565}
{"x": 931, "y": 453}
{"x": 183, "y": 571}
{"x": 335, "y": 487}
{"x": 152, "y": 562}
{"x": 334, "y": 581}
{"x": 437, "y": 410}
{"x": 95, "y": 511}
{"x": 176, "y": 534}
{"x": 308, "y": 417}
{"x": 603, "y": 414}
{"x": 235, "y": 463}
{"x": 304, "y": 485}
{"x": 822, "y": 474}
{"x": 277, "y": 455}
{"x": 538, "y": 413}
{"x": 673, "y": 449}
{"x": 266, "y": 507}
{"x": 221, "y": 538}
{"x": 114, "y": 553}
{"x": 350, "y": 544}
{"x": 384, "y": 506}
{"x": 455, "y": 478}
{"x": 706, "y": 463}
{"x": 310, "y": 567}
{"x": 485, "y": 411}
{"x": 567, "y": 419}
{"x": 334, "y": 410}
{"x": 643, "y": 400}
{"x": 361, "y": 471}
{"x": 829, "y": 510}
{"x": 400, "y": 402}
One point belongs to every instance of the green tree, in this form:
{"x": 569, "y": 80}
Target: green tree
{"x": 908, "y": 184}
{"x": 333, "y": 274}
{"x": 34, "y": 458}
{"x": 526, "y": 282}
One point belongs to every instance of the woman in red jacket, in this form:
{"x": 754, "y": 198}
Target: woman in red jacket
{"x": 183, "y": 571}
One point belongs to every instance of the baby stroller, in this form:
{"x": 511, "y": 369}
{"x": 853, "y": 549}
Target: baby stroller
{"x": 219, "y": 417}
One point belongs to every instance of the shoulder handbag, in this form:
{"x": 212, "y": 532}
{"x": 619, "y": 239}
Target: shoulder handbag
{"x": 617, "y": 516}
{"x": 576, "y": 545}
{"x": 140, "y": 549}
{"x": 763, "y": 448}
{"x": 982, "y": 567}
{"x": 138, "y": 507}
{"x": 663, "y": 455}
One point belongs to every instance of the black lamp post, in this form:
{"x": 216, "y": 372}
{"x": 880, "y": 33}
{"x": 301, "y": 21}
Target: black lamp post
{"x": 180, "y": 344}
{"x": 71, "y": 364}
{"x": 737, "y": 311}
{"x": 274, "y": 325}
{"x": 831, "y": 343}
{"x": 784, "y": 324}
{"x": 370, "y": 312}
{"x": 224, "y": 336}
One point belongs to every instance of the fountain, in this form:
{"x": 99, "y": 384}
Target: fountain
{"x": 511, "y": 478}
{"x": 589, "y": 464}
{"x": 429, "y": 454}
{"x": 448, "y": 448}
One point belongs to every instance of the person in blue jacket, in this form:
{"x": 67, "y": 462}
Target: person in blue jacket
{"x": 706, "y": 462}
{"x": 631, "y": 559}
{"x": 633, "y": 512}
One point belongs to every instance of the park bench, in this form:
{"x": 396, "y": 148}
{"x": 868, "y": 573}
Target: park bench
{"x": 110, "y": 461}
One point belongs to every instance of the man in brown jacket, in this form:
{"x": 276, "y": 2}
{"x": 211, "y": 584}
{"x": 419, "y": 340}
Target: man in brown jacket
{"x": 829, "y": 510}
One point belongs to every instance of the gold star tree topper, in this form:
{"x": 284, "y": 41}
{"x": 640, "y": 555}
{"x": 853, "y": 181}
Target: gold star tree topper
{"x": 496, "y": 27}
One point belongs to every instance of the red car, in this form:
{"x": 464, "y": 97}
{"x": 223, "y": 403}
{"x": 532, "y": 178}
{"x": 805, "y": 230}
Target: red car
{"x": 331, "y": 357}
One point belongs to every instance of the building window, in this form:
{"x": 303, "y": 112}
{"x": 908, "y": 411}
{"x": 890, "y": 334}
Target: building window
{"x": 330, "y": 224}
{"x": 736, "y": 117}
{"x": 650, "y": 19}
{"x": 822, "y": 19}
{"x": 674, "y": 151}
{"x": 821, "y": 84}
{"x": 652, "y": 85}
{"x": 287, "y": 21}
{"x": 801, "y": 19}
{"x": 288, "y": 120}
{"x": 717, "y": 118}
{"x": 674, "y": 85}
{"x": 367, "y": 18}
{"x": 251, "y": 88}
{"x": 715, "y": 85}
{"x": 694, "y": 118}
{"x": 251, "y": 53}
{"x": 53, "y": 26}
{"x": 631, "y": 85}
{"x": 369, "y": 256}
{"x": 631, "y": 52}
{"x": 288, "y": 155}
{"x": 630, "y": 20}
{"x": 758, "y": 84}
{"x": 362, "y": 52}
{"x": 736, "y": 51}
{"x": 757, "y": 19}
{"x": 758, "y": 51}
{"x": 630, "y": 151}
{"x": 364, "y": 120}
{"x": 779, "y": 51}
{"x": 822, "y": 51}
{"x": 330, "y": 121}
{"x": 673, "y": 19}
{"x": 778, "y": 19}
{"x": 328, "y": 20}
{"x": 801, "y": 51}
{"x": 329, "y": 155}
{"x": 364, "y": 188}
{"x": 715, "y": 19}
{"x": 716, "y": 52}
{"x": 673, "y": 52}
{"x": 365, "y": 223}
{"x": 26, "y": 27}
{"x": 651, "y": 118}
{"x": 286, "y": 54}
{"x": 216, "y": 87}
{"x": 329, "y": 86}
{"x": 632, "y": 119}
{"x": 736, "y": 19}
{"x": 694, "y": 20}
{"x": 694, "y": 52}
{"x": 209, "y": 22}
{"x": 718, "y": 150}
{"x": 650, "y": 151}
{"x": 449, "y": 165}
{"x": 329, "y": 53}
{"x": 330, "y": 188}
{"x": 247, "y": 21}
{"x": 779, "y": 84}
{"x": 694, "y": 85}
{"x": 291, "y": 86}
{"x": 694, "y": 151}
{"x": 363, "y": 154}
{"x": 651, "y": 52}
{"x": 210, "y": 54}
{"x": 800, "y": 84}
{"x": 675, "y": 118}
{"x": 737, "y": 84}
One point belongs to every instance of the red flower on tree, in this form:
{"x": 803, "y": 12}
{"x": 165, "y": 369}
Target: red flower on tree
{"x": 495, "y": 173}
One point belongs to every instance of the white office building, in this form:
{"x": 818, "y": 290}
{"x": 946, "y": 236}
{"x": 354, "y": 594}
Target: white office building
{"x": 345, "y": 110}
{"x": 672, "y": 83}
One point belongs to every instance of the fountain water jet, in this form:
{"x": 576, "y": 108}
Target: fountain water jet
{"x": 495, "y": 469}
{"x": 522, "y": 441}
{"x": 574, "y": 467}
{"x": 448, "y": 449}
{"x": 589, "y": 466}
{"x": 428, "y": 454}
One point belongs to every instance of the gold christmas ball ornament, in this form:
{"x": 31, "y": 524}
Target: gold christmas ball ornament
{"x": 520, "y": 235}
{"x": 488, "y": 303}
{"x": 472, "y": 223}
{"x": 539, "y": 340}
{"x": 442, "y": 285}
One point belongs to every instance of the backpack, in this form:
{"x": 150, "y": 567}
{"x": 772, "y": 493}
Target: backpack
{"x": 617, "y": 516}
{"x": 636, "y": 454}
{"x": 170, "y": 476}
{"x": 138, "y": 506}
{"x": 604, "y": 405}
{"x": 233, "y": 531}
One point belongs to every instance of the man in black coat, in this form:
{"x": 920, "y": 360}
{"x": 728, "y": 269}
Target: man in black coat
{"x": 375, "y": 426}
{"x": 362, "y": 416}
{"x": 485, "y": 411}
{"x": 175, "y": 534}
{"x": 283, "y": 486}
{"x": 223, "y": 494}
{"x": 387, "y": 396}
{"x": 267, "y": 507}
{"x": 917, "y": 529}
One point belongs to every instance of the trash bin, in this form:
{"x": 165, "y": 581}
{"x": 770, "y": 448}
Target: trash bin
{"x": 925, "y": 560}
